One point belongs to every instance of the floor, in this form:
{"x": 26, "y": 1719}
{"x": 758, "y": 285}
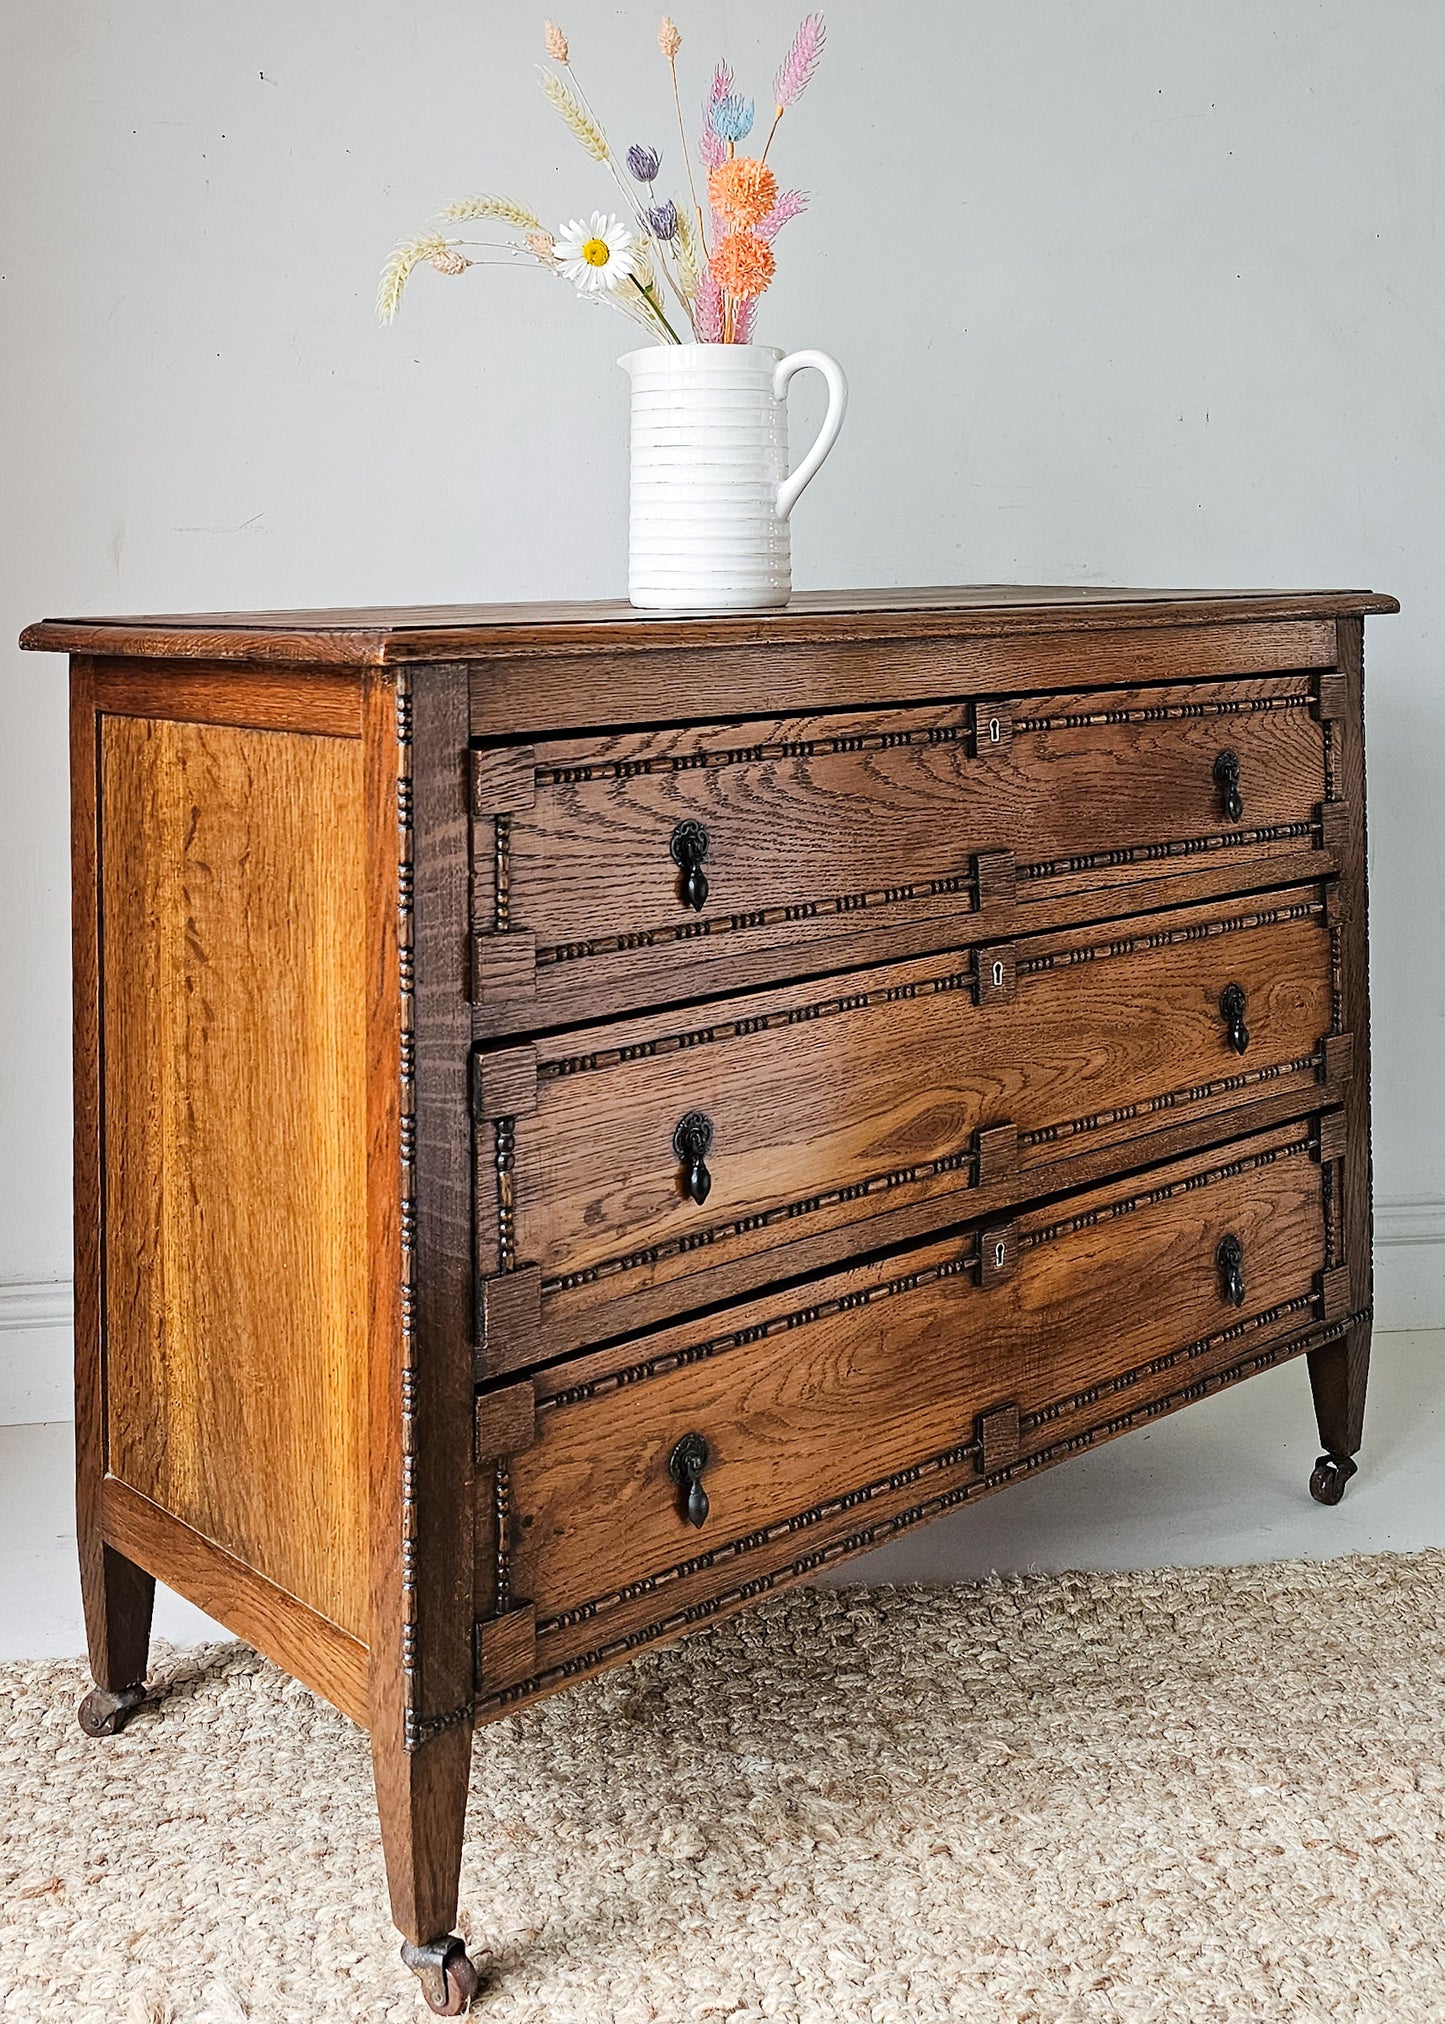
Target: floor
{"x": 1221, "y": 1483}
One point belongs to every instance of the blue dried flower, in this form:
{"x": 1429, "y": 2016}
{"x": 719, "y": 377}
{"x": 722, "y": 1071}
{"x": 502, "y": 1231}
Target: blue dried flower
{"x": 663, "y": 219}
{"x": 732, "y": 117}
{"x": 644, "y": 163}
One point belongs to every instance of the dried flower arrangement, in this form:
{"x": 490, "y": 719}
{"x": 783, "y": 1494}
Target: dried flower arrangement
{"x": 714, "y": 268}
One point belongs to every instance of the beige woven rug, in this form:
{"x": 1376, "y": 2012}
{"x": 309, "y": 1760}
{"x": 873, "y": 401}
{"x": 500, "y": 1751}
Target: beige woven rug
{"x": 1200, "y": 1795}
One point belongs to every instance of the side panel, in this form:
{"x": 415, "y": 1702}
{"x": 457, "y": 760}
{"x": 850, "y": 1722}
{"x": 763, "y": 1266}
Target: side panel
{"x": 233, "y": 909}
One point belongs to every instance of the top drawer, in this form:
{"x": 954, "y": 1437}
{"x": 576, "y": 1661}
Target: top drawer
{"x": 646, "y": 867}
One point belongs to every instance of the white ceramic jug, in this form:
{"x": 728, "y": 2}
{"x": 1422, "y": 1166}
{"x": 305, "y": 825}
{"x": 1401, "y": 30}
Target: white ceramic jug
{"x": 711, "y": 492}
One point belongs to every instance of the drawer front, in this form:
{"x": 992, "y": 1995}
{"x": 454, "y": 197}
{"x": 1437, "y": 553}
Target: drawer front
{"x": 612, "y": 872}
{"x": 872, "y": 1394}
{"x": 627, "y": 1174}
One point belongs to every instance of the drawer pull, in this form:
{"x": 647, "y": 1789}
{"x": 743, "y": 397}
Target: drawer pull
{"x": 1226, "y": 779}
{"x": 1232, "y": 1006}
{"x": 689, "y": 848}
{"x": 690, "y": 1142}
{"x": 685, "y": 1466}
{"x": 1230, "y": 1259}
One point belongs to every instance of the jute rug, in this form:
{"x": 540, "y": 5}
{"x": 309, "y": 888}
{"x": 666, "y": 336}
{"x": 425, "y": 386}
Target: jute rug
{"x": 1201, "y": 1795}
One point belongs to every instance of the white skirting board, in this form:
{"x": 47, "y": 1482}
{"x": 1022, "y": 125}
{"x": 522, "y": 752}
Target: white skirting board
{"x": 37, "y": 1315}
{"x": 36, "y": 1320}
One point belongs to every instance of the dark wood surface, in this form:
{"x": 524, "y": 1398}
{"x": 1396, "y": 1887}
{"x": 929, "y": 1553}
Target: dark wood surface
{"x": 822, "y": 828}
{"x": 864, "y": 1388}
{"x": 831, "y": 1105}
{"x": 391, "y": 1307}
{"x": 374, "y": 634}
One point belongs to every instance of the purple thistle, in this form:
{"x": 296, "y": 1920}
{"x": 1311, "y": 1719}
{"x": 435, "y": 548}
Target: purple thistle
{"x": 713, "y": 150}
{"x": 644, "y": 163}
{"x": 789, "y": 204}
{"x": 800, "y": 62}
{"x": 663, "y": 219}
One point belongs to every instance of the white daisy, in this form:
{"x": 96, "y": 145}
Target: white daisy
{"x": 599, "y": 255}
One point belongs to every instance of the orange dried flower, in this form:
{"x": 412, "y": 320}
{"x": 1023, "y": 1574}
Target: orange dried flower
{"x": 742, "y": 265}
{"x": 742, "y": 191}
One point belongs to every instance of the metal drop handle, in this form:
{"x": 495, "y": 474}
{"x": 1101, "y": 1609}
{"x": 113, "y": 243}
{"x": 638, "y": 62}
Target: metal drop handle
{"x": 689, "y": 848}
{"x": 685, "y": 1466}
{"x": 1226, "y": 779}
{"x": 690, "y": 1142}
{"x": 1232, "y": 1007}
{"x": 1230, "y": 1260}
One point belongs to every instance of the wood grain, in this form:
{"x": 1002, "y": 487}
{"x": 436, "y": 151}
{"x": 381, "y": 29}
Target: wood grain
{"x": 832, "y": 1103}
{"x": 306, "y": 1644}
{"x": 820, "y": 826}
{"x": 1339, "y": 1372}
{"x": 805, "y": 1397}
{"x": 118, "y": 1596}
{"x": 938, "y": 985}
{"x": 233, "y": 1000}
{"x": 263, "y": 699}
{"x": 418, "y": 1218}
{"x": 373, "y": 635}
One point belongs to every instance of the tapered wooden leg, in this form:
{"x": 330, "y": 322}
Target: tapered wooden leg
{"x": 422, "y": 1798}
{"x": 119, "y": 1599}
{"x": 1339, "y": 1374}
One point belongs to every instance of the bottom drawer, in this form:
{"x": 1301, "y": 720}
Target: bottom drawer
{"x": 653, "y": 1482}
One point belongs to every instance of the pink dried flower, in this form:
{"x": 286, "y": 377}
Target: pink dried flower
{"x": 744, "y": 320}
{"x": 708, "y": 309}
{"x": 554, "y": 41}
{"x": 790, "y": 203}
{"x": 800, "y": 62}
{"x": 714, "y": 150}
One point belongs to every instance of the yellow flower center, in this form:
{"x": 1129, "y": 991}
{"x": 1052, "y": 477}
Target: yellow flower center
{"x": 597, "y": 252}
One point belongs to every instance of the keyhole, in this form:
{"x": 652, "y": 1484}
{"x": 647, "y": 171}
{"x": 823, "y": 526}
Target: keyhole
{"x": 999, "y": 1253}
{"x": 994, "y": 733}
{"x": 998, "y": 975}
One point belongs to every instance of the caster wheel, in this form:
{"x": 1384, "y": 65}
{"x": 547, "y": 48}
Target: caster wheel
{"x": 103, "y": 1714}
{"x": 448, "y": 1979}
{"x": 1332, "y": 1472}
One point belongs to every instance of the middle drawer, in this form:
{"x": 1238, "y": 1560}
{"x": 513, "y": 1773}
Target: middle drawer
{"x": 656, "y": 1164}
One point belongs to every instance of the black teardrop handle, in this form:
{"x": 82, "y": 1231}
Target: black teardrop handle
{"x": 1226, "y": 779}
{"x": 1232, "y": 1007}
{"x": 689, "y": 848}
{"x": 685, "y": 1466}
{"x": 1230, "y": 1260}
{"x": 690, "y": 1143}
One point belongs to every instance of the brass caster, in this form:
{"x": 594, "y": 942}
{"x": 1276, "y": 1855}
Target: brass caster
{"x": 1332, "y": 1472}
{"x": 104, "y": 1714}
{"x": 448, "y": 1979}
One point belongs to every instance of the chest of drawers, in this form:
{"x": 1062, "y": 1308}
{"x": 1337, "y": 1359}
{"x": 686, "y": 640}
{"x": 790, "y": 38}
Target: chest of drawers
{"x": 581, "y": 1119}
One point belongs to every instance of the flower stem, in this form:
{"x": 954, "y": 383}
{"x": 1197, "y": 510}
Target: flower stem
{"x": 687, "y": 157}
{"x": 771, "y": 131}
{"x": 656, "y": 308}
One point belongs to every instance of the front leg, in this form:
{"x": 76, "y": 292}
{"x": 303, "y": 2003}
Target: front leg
{"x": 1339, "y": 1373}
{"x": 421, "y": 1796}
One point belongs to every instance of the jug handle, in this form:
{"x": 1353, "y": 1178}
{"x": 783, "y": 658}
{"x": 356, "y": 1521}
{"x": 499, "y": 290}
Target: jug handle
{"x": 798, "y": 361}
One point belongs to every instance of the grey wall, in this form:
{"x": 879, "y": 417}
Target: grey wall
{"x": 1127, "y": 292}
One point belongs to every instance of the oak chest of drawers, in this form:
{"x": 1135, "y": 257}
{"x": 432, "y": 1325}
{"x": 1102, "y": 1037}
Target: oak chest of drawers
{"x": 584, "y": 1118}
